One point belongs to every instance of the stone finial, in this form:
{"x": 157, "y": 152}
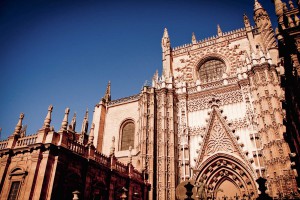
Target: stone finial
{"x": 112, "y": 148}
{"x": 107, "y": 96}
{"x": 278, "y": 7}
{"x": 297, "y": 20}
{"x": 64, "y": 123}
{"x": 130, "y": 155}
{"x": 291, "y": 22}
{"x": 220, "y": 33}
{"x": 19, "y": 125}
{"x": 85, "y": 122}
{"x": 47, "y": 120}
{"x": 291, "y": 4}
{"x": 257, "y": 5}
{"x": 284, "y": 7}
{"x": 73, "y": 123}
{"x": 91, "y": 135}
{"x": 194, "y": 40}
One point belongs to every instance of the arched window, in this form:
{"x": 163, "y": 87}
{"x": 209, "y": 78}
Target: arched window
{"x": 211, "y": 70}
{"x": 127, "y": 135}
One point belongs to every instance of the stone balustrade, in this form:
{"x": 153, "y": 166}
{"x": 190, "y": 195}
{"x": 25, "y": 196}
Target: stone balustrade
{"x": 102, "y": 159}
{"x": 28, "y": 140}
{"x": 3, "y": 144}
{"x": 76, "y": 147}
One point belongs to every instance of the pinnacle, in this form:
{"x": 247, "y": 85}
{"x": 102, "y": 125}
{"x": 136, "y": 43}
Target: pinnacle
{"x": 166, "y": 33}
{"x": 257, "y": 5}
{"x": 219, "y": 30}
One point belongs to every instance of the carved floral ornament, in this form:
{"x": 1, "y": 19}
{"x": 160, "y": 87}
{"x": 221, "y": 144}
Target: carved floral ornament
{"x": 226, "y": 98}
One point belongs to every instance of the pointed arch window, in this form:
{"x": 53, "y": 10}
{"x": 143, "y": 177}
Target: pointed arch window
{"x": 127, "y": 135}
{"x": 14, "y": 189}
{"x": 211, "y": 70}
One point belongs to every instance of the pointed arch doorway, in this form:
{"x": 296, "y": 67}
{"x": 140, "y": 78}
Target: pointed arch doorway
{"x": 225, "y": 175}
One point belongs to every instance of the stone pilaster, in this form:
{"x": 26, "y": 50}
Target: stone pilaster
{"x": 183, "y": 139}
{"x": 147, "y": 134}
{"x": 166, "y": 160}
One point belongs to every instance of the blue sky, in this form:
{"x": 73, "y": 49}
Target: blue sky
{"x": 63, "y": 52}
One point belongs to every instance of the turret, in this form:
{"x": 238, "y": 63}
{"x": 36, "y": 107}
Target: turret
{"x": 265, "y": 30}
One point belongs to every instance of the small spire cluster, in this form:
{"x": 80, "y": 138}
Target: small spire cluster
{"x": 20, "y": 130}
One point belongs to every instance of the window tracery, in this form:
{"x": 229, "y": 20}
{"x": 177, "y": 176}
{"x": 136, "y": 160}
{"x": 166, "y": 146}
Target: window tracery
{"x": 211, "y": 70}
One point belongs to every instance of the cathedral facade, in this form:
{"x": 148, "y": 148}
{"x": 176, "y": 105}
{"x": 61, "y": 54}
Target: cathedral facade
{"x": 223, "y": 113}
{"x": 214, "y": 116}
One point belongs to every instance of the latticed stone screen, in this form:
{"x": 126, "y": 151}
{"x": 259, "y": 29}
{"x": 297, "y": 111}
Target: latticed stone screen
{"x": 127, "y": 136}
{"x": 211, "y": 70}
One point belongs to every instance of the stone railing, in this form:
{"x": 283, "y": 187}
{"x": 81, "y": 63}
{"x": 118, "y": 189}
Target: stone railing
{"x": 76, "y": 147}
{"x": 124, "y": 100}
{"x": 120, "y": 167}
{"x": 136, "y": 174}
{"x": 102, "y": 159}
{"x": 3, "y": 144}
{"x": 31, "y": 139}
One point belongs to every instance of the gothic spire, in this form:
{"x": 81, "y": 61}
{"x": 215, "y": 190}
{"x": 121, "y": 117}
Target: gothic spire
{"x": 64, "y": 123}
{"x": 47, "y": 120}
{"x": 107, "y": 96}
{"x": 19, "y": 125}
{"x": 194, "y": 41}
{"x": 85, "y": 122}
{"x": 91, "y": 135}
{"x": 220, "y": 33}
